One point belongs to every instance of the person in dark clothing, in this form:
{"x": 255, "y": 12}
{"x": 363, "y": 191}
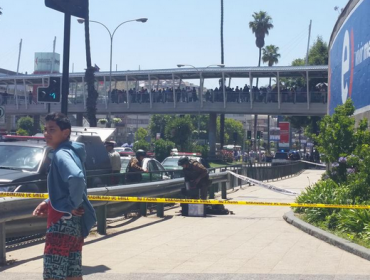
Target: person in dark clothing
{"x": 135, "y": 168}
{"x": 196, "y": 175}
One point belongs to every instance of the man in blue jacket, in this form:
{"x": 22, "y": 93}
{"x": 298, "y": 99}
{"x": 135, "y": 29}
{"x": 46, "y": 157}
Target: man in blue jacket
{"x": 70, "y": 216}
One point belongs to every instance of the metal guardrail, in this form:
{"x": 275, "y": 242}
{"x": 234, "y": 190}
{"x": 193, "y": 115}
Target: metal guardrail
{"x": 17, "y": 209}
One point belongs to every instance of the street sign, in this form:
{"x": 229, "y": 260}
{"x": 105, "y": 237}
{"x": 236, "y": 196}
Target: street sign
{"x": 77, "y": 8}
{"x": 50, "y": 94}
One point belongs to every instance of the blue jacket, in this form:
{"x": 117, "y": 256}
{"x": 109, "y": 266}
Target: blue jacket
{"x": 67, "y": 184}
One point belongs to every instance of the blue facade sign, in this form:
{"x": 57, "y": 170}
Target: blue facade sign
{"x": 349, "y": 65}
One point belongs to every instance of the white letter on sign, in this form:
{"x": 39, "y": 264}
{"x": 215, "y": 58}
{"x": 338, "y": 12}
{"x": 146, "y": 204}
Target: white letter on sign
{"x": 345, "y": 65}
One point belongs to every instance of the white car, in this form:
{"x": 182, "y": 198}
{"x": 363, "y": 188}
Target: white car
{"x": 151, "y": 165}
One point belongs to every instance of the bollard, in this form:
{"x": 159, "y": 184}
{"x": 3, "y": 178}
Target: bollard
{"x": 160, "y": 210}
{"x": 143, "y": 209}
{"x": 101, "y": 216}
{"x": 2, "y": 244}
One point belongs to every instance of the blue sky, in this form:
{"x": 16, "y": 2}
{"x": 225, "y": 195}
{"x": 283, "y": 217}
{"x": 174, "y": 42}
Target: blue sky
{"x": 180, "y": 31}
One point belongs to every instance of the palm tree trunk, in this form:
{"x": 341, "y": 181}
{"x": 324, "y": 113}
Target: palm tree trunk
{"x": 222, "y": 117}
{"x": 92, "y": 94}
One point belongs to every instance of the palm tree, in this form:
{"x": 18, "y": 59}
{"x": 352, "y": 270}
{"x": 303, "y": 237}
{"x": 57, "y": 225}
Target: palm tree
{"x": 270, "y": 56}
{"x": 260, "y": 26}
{"x": 92, "y": 94}
{"x": 222, "y": 116}
{"x": 1, "y": 11}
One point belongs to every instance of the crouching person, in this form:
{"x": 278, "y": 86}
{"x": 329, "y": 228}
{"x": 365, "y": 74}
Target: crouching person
{"x": 70, "y": 216}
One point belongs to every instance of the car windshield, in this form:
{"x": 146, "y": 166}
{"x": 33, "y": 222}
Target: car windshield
{"x": 281, "y": 156}
{"x": 18, "y": 157}
{"x": 170, "y": 162}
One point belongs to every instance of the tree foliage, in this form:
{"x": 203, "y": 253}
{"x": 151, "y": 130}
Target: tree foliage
{"x": 232, "y": 126}
{"x": 141, "y": 144}
{"x": 270, "y": 55}
{"x": 319, "y": 53}
{"x": 178, "y": 130}
{"x": 26, "y": 123}
{"x": 163, "y": 149}
{"x": 141, "y": 133}
{"x": 158, "y": 124}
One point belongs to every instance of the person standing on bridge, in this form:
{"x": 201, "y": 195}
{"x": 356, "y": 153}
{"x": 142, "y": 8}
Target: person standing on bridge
{"x": 70, "y": 216}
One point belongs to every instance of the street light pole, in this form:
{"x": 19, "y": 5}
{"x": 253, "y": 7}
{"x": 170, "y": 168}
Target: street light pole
{"x": 111, "y": 35}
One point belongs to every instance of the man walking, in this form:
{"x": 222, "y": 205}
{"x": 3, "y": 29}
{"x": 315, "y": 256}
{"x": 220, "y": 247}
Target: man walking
{"x": 70, "y": 216}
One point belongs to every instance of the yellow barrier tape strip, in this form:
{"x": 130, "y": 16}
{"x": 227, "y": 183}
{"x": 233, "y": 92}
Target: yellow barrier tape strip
{"x": 191, "y": 201}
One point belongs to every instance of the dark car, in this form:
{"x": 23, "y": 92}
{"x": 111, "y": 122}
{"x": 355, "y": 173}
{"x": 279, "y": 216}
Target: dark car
{"x": 294, "y": 155}
{"x": 280, "y": 158}
{"x": 24, "y": 164}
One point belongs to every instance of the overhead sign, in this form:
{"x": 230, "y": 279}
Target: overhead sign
{"x": 274, "y": 133}
{"x": 349, "y": 63}
{"x": 284, "y": 134}
{"x": 77, "y": 8}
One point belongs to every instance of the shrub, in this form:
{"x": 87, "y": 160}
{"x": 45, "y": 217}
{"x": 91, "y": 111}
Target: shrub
{"x": 22, "y": 132}
{"x": 163, "y": 149}
{"x": 141, "y": 145}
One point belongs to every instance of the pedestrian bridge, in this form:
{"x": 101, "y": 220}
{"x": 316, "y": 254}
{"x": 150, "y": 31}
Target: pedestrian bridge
{"x": 153, "y": 98}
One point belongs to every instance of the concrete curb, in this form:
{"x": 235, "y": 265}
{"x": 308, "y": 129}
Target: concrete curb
{"x": 323, "y": 235}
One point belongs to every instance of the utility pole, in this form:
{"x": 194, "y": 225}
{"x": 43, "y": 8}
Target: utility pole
{"x": 19, "y": 56}
{"x": 308, "y": 44}
{"x": 53, "y": 61}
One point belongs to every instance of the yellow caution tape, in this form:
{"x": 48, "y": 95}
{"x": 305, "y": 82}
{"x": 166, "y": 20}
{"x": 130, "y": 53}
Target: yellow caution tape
{"x": 190, "y": 201}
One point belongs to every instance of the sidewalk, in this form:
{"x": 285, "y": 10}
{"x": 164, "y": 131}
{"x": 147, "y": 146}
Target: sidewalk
{"x": 256, "y": 241}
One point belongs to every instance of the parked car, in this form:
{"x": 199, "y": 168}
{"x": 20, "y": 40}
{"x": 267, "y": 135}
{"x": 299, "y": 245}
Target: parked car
{"x": 26, "y": 160}
{"x": 151, "y": 165}
{"x": 280, "y": 158}
{"x": 170, "y": 163}
{"x": 125, "y": 151}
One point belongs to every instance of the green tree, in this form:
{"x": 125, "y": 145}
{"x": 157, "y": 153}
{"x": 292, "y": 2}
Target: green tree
{"x": 92, "y": 94}
{"x": 178, "y": 130}
{"x": 22, "y": 132}
{"x": 162, "y": 149}
{"x": 232, "y": 126}
{"x": 158, "y": 124}
{"x": 140, "y": 134}
{"x": 319, "y": 53}
{"x": 26, "y": 123}
{"x": 271, "y": 56}
{"x": 141, "y": 144}
{"x": 337, "y": 136}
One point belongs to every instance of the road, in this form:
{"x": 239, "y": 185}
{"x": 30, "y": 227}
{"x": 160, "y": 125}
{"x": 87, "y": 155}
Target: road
{"x": 254, "y": 243}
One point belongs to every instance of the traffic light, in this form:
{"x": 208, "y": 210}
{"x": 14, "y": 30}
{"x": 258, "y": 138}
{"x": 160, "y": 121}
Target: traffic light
{"x": 249, "y": 135}
{"x": 258, "y": 135}
{"x": 77, "y": 8}
{"x": 261, "y": 134}
{"x": 50, "y": 94}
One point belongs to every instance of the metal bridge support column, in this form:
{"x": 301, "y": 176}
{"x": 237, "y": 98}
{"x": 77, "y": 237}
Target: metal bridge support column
{"x": 2, "y": 244}
{"x": 223, "y": 190}
{"x": 278, "y": 85}
{"x": 173, "y": 90}
{"x": 127, "y": 94}
{"x": 26, "y": 97}
{"x": 106, "y": 94}
{"x": 212, "y": 135}
{"x": 15, "y": 94}
{"x": 251, "y": 89}
{"x": 308, "y": 91}
{"x": 150, "y": 92}
{"x": 101, "y": 216}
